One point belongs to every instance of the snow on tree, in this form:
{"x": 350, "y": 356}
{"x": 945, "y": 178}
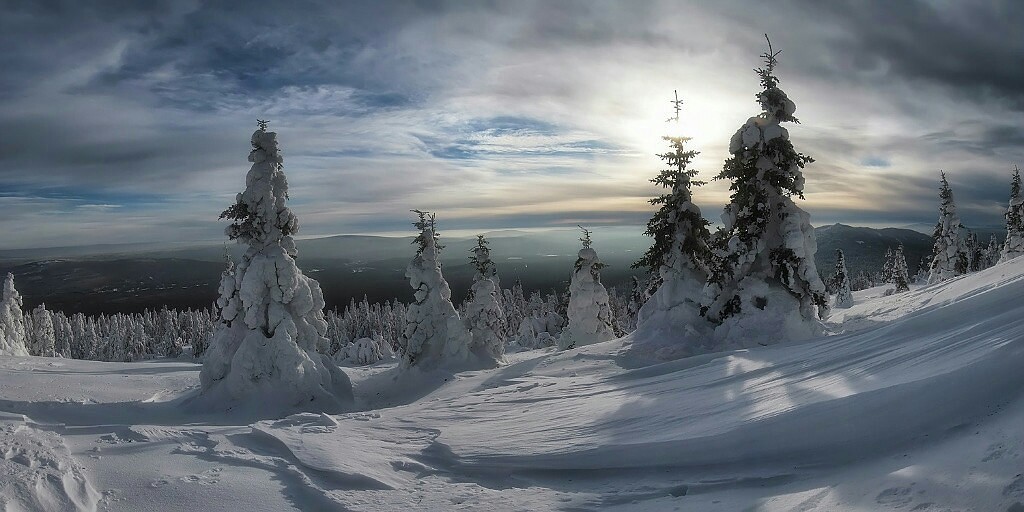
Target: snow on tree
{"x": 484, "y": 316}
{"x": 1013, "y": 246}
{"x": 365, "y": 351}
{"x": 620, "y": 315}
{"x": 949, "y": 256}
{"x": 166, "y": 336}
{"x": 976, "y": 257}
{"x": 763, "y": 285}
{"x": 841, "y": 281}
{"x": 434, "y": 334}
{"x": 887, "y": 266}
{"x": 992, "y": 252}
{"x": 42, "y": 338}
{"x": 677, "y": 260}
{"x": 79, "y": 346}
{"x": 63, "y": 336}
{"x": 590, "y": 315}
{"x": 513, "y": 302}
{"x": 921, "y": 277}
{"x": 136, "y": 341}
{"x": 543, "y": 322}
{"x": 900, "y": 273}
{"x": 638, "y": 296}
{"x": 12, "y": 321}
{"x": 265, "y": 350}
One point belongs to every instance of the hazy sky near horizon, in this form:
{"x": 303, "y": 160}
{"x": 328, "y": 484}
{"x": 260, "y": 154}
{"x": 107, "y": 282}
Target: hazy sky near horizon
{"x": 129, "y": 121}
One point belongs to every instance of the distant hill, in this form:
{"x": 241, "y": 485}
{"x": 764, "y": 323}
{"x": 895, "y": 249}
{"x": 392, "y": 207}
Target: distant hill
{"x": 865, "y": 248}
{"x": 131, "y": 278}
{"x": 106, "y": 279}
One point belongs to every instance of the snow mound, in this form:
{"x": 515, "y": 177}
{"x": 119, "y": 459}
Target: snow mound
{"x": 916, "y": 404}
{"x": 823, "y": 402}
{"x": 37, "y": 471}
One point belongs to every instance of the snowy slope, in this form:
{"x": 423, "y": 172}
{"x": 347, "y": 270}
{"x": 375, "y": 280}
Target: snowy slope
{"x": 913, "y": 404}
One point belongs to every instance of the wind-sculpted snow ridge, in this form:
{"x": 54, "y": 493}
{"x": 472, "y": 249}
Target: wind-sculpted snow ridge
{"x": 37, "y": 472}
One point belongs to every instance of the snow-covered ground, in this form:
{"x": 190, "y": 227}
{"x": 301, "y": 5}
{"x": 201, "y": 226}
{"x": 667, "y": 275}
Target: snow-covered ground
{"x": 913, "y": 403}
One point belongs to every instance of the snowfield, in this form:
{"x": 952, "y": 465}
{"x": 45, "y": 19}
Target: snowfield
{"x": 913, "y": 403}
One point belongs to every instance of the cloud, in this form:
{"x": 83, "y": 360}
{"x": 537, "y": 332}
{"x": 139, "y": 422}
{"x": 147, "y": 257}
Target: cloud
{"x": 502, "y": 114}
{"x": 960, "y": 46}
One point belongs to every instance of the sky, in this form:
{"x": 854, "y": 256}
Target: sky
{"x": 126, "y": 121}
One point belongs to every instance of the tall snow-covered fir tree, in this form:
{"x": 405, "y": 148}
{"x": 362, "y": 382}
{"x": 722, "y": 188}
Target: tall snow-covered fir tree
{"x": 62, "y": 335}
{"x": 949, "y": 255}
{"x": 265, "y": 350}
{"x": 484, "y": 316}
{"x": 992, "y": 251}
{"x": 841, "y": 282}
{"x": 589, "y": 313}
{"x": 12, "y": 321}
{"x": 638, "y": 296}
{"x": 677, "y": 261}
{"x": 887, "y": 266}
{"x": 434, "y": 334}
{"x": 42, "y": 339}
{"x": 764, "y": 286}
{"x": 900, "y": 273}
{"x": 1013, "y": 246}
{"x": 976, "y": 253}
{"x": 921, "y": 277}
{"x": 228, "y": 302}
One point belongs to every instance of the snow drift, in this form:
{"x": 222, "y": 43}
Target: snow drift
{"x": 914, "y": 403}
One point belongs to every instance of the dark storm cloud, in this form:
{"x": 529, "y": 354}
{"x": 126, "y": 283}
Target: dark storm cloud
{"x": 257, "y": 48}
{"x": 87, "y": 76}
{"x": 984, "y": 139}
{"x": 973, "y": 48}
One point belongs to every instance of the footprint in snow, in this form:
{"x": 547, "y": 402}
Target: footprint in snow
{"x": 208, "y": 477}
{"x": 895, "y": 496}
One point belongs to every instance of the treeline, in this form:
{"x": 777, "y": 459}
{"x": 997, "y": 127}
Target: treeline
{"x": 532, "y": 321}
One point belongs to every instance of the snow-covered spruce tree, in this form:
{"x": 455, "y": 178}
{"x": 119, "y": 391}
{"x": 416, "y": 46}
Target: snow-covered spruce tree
{"x": 1013, "y": 246}
{"x": 79, "y": 340}
{"x": 975, "y": 253}
{"x": 434, "y": 334}
{"x": 619, "y": 304}
{"x": 841, "y": 281}
{"x": 514, "y": 303}
{"x": 484, "y": 316}
{"x": 136, "y": 341}
{"x": 228, "y": 302}
{"x": 167, "y": 338}
{"x": 887, "y": 266}
{"x": 272, "y": 316}
{"x": 900, "y": 273}
{"x": 992, "y": 251}
{"x": 764, "y": 286}
{"x": 43, "y": 339}
{"x": 637, "y": 298}
{"x": 590, "y": 315}
{"x": 677, "y": 260}
{"x": 12, "y": 321}
{"x": 62, "y": 335}
{"x": 921, "y": 277}
{"x": 949, "y": 256}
